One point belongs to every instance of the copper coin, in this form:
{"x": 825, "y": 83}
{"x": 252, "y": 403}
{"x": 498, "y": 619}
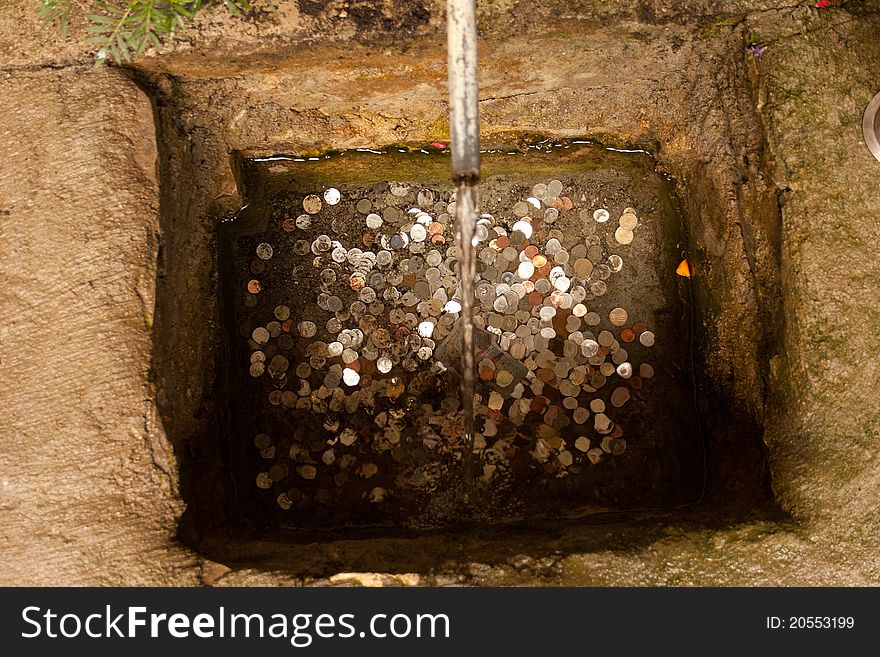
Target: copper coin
{"x": 627, "y": 335}
{"x": 289, "y": 224}
{"x": 538, "y": 404}
{"x": 357, "y": 281}
{"x": 638, "y": 328}
{"x": 254, "y": 286}
{"x": 619, "y": 397}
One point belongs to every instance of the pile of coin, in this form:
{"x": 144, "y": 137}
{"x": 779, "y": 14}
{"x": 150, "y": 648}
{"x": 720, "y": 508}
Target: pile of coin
{"x": 371, "y": 300}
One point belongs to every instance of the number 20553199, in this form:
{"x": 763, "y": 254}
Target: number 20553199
{"x": 810, "y": 623}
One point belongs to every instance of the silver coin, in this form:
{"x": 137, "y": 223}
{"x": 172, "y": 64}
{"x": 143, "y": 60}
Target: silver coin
{"x": 260, "y": 335}
{"x": 589, "y": 348}
{"x": 418, "y": 233}
{"x": 264, "y": 251}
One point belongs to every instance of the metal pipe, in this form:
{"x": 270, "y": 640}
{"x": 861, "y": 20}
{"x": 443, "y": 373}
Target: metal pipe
{"x": 464, "y": 122}
{"x": 464, "y": 116}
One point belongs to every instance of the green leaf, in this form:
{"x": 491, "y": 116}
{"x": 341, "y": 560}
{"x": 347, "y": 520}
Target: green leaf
{"x": 124, "y": 29}
{"x": 237, "y": 7}
{"x": 57, "y": 11}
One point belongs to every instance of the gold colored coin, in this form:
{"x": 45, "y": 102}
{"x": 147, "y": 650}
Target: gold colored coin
{"x": 623, "y": 235}
{"x": 312, "y": 204}
{"x": 618, "y": 316}
{"x": 629, "y": 221}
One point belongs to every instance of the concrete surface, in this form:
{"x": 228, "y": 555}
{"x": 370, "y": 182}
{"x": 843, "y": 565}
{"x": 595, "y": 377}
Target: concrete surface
{"x": 766, "y": 154}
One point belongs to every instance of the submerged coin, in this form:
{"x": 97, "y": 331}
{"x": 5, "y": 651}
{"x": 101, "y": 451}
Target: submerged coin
{"x": 618, "y": 316}
{"x": 629, "y": 221}
{"x": 504, "y": 378}
{"x": 264, "y": 251}
{"x": 312, "y": 204}
{"x": 332, "y": 196}
{"x": 623, "y": 235}
{"x": 260, "y": 335}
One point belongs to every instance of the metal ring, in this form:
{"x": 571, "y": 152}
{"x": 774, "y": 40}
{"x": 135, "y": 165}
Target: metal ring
{"x": 871, "y": 126}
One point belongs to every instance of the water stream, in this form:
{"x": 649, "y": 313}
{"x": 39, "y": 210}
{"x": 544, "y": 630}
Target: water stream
{"x": 465, "y": 226}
